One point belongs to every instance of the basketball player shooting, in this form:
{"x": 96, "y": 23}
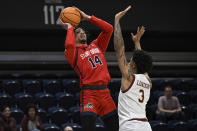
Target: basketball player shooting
{"x": 89, "y": 63}
{"x": 135, "y": 83}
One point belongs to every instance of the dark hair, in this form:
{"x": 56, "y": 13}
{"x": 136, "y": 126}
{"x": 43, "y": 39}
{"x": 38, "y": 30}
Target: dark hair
{"x": 143, "y": 61}
{"x": 4, "y": 107}
{"x": 84, "y": 29}
{"x": 30, "y": 106}
{"x": 168, "y": 86}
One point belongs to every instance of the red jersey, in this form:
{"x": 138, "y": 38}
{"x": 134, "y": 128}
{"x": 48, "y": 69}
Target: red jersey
{"x": 88, "y": 60}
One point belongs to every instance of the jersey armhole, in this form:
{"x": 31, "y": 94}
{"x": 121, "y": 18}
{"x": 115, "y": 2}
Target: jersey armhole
{"x": 148, "y": 78}
{"x": 130, "y": 85}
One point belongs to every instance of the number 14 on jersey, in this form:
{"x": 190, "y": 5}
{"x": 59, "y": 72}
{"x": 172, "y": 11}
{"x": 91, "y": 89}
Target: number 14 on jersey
{"x": 95, "y": 62}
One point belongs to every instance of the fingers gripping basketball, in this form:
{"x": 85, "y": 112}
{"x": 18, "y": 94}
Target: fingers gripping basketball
{"x": 70, "y": 15}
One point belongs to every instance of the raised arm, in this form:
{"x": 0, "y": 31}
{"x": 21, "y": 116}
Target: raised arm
{"x": 119, "y": 45}
{"x": 103, "y": 39}
{"x": 70, "y": 46}
{"x": 136, "y": 38}
{"x": 70, "y": 43}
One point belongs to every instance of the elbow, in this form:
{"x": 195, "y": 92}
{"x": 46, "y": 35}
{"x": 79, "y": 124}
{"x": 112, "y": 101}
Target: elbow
{"x": 111, "y": 28}
{"x": 160, "y": 109}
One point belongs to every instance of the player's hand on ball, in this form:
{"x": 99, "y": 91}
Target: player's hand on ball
{"x": 84, "y": 16}
{"x": 138, "y": 35}
{"x": 66, "y": 26}
{"x": 122, "y": 13}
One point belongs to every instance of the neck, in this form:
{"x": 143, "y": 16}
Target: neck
{"x": 79, "y": 44}
{"x": 168, "y": 97}
{"x": 32, "y": 118}
{"x": 134, "y": 71}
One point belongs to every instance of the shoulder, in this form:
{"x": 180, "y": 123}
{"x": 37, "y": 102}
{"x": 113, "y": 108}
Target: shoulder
{"x": 162, "y": 98}
{"x": 140, "y": 76}
{"x": 94, "y": 44}
{"x": 127, "y": 83}
{"x": 175, "y": 98}
{"x": 12, "y": 119}
{"x": 148, "y": 78}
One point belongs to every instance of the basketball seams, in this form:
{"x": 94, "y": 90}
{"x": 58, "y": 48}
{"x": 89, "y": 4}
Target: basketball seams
{"x": 71, "y": 13}
{"x": 68, "y": 15}
{"x": 70, "y": 19}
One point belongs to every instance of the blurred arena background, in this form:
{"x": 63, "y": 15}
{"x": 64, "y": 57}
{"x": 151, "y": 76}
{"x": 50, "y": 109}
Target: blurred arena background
{"x": 32, "y": 57}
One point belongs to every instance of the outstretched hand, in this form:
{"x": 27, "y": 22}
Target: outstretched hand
{"x": 122, "y": 13}
{"x": 84, "y": 16}
{"x": 138, "y": 35}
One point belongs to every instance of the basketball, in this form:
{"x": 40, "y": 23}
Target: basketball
{"x": 70, "y": 15}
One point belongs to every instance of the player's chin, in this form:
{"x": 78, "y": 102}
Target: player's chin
{"x": 83, "y": 41}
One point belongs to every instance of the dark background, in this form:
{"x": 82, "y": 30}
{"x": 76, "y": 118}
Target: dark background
{"x": 170, "y": 24}
{"x": 33, "y": 41}
{"x": 32, "y": 48}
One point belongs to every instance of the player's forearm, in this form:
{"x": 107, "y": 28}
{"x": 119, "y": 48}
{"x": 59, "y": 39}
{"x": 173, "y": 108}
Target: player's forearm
{"x": 118, "y": 39}
{"x": 120, "y": 49}
{"x": 104, "y": 37}
{"x": 137, "y": 46}
{"x": 70, "y": 46}
{"x": 103, "y": 25}
{"x": 70, "y": 38}
{"x": 179, "y": 109}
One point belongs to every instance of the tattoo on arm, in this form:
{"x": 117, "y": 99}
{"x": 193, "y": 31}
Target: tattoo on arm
{"x": 129, "y": 72}
{"x": 122, "y": 56}
{"x": 118, "y": 39}
{"x": 120, "y": 49}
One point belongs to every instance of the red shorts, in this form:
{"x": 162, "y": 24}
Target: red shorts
{"x": 99, "y": 102}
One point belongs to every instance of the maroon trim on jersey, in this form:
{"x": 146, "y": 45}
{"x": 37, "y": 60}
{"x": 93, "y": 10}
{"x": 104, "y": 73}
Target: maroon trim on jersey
{"x": 130, "y": 85}
{"x": 76, "y": 58}
{"x": 139, "y": 119}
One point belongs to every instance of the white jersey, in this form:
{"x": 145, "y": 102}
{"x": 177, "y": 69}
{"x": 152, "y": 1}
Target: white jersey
{"x": 132, "y": 102}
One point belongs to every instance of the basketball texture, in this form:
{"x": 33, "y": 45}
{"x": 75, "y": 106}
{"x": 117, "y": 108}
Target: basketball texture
{"x": 70, "y": 15}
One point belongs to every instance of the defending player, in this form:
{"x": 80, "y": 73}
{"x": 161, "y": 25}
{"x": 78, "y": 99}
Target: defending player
{"x": 135, "y": 84}
{"x": 89, "y": 62}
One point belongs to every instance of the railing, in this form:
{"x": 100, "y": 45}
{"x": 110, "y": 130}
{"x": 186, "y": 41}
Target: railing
{"x": 165, "y": 63}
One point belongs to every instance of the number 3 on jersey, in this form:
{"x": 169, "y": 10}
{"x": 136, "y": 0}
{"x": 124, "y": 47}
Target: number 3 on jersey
{"x": 141, "y": 100}
{"x": 95, "y": 61}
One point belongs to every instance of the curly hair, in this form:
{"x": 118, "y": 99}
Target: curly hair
{"x": 29, "y": 106}
{"x": 4, "y": 107}
{"x": 143, "y": 61}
